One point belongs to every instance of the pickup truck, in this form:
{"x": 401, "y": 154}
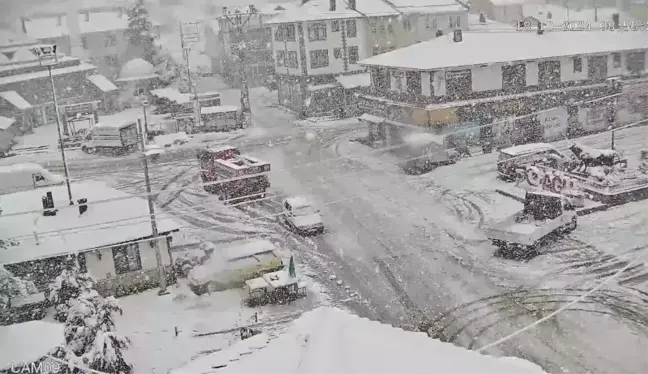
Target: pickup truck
{"x": 544, "y": 214}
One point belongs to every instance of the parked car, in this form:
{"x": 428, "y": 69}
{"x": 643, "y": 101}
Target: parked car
{"x": 302, "y": 216}
{"x": 521, "y": 156}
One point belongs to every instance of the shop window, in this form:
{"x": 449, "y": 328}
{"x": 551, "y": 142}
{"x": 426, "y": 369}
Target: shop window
{"x": 319, "y": 58}
{"x": 126, "y": 258}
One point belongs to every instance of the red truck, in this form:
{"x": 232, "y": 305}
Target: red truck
{"x": 244, "y": 177}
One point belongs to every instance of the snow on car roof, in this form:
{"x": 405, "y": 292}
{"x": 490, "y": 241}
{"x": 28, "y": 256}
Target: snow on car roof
{"x": 39, "y": 237}
{"x": 218, "y": 109}
{"x": 299, "y": 201}
{"x": 527, "y": 148}
{"x": 477, "y": 48}
{"x": 314, "y": 342}
{"x": 27, "y": 342}
{"x": 115, "y": 123}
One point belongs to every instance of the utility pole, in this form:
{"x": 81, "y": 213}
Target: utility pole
{"x": 47, "y": 56}
{"x": 189, "y": 34}
{"x": 158, "y": 255}
{"x": 238, "y": 21}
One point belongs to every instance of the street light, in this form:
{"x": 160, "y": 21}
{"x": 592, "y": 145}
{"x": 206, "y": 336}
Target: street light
{"x": 151, "y": 206}
{"x": 47, "y": 56}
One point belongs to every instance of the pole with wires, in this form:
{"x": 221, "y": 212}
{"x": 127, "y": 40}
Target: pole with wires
{"x": 237, "y": 21}
{"x": 149, "y": 197}
{"x": 189, "y": 34}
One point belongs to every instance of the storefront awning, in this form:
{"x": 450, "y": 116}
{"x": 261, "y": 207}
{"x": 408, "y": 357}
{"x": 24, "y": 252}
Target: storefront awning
{"x": 15, "y": 99}
{"x": 102, "y": 83}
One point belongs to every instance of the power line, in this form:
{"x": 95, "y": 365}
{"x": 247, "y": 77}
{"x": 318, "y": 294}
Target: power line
{"x": 562, "y": 309}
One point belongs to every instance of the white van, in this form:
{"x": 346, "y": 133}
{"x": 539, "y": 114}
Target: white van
{"x": 21, "y": 177}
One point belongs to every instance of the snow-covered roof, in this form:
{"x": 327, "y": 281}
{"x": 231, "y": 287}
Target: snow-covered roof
{"x": 49, "y": 27}
{"x": 427, "y": 6}
{"x": 330, "y": 340}
{"x": 42, "y": 74}
{"x": 488, "y": 48}
{"x": 560, "y": 13}
{"x": 27, "y": 166}
{"x": 527, "y": 148}
{"x": 102, "y": 83}
{"x": 299, "y": 201}
{"x": 420, "y": 139}
{"x": 247, "y": 248}
{"x": 32, "y": 61}
{"x": 114, "y": 122}
{"x": 24, "y": 55}
{"x": 242, "y": 162}
{"x": 10, "y": 39}
{"x": 315, "y": 10}
{"x": 355, "y": 80}
{"x": 218, "y": 109}
{"x": 28, "y": 342}
{"x": 279, "y": 278}
{"x": 103, "y": 224}
{"x": 15, "y": 99}
{"x": 489, "y": 25}
{"x": 137, "y": 69}
{"x": 172, "y": 94}
{"x": 6, "y": 122}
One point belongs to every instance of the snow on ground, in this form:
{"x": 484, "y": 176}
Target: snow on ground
{"x": 27, "y": 342}
{"x": 329, "y": 340}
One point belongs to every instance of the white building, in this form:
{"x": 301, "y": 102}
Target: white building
{"x": 320, "y": 40}
{"x": 561, "y": 18}
{"x": 314, "y": 342}
{"x": 112, "y": 240}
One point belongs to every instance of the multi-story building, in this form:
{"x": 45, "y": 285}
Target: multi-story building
{"x": 320, "y": 40}
{"x": 473, "y": 78}
{"x": 95, "y": 34}
{"x": 223, "y": 42}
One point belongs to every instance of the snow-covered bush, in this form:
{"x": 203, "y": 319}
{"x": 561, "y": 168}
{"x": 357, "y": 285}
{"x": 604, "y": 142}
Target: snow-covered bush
{"x": 70, "y": 284}
{"x": 12, "y": 286}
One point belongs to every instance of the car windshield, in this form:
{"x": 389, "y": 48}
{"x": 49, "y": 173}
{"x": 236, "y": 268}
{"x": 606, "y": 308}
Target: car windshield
{"x": 303, "y": 210}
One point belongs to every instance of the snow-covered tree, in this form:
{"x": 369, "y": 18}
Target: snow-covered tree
{"x": 70, "y": 284}
{"x": 90, "y": 334}
{"x": 12, "y": 286}
{"x": 139, "y": 30}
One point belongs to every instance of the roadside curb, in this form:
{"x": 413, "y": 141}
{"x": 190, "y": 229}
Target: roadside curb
{"x": 580, "y": 212}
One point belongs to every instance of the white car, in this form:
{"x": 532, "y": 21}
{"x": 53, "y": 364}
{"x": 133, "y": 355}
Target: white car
{"x": 301, "y": 216}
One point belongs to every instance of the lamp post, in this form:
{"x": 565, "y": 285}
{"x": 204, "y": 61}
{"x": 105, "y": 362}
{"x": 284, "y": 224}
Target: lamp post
{"x": 154, "y": 231}
{"x": 47, "y": 56}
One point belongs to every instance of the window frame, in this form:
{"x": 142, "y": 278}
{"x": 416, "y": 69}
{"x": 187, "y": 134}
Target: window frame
{"x": 123, "y": 250}
{"x": 317, "y": 31}
{"x": 313, "y": 59}
{"x": 577, "y": 64}
{"x": 351, "y": 50}
{"x": 351, "y": 24}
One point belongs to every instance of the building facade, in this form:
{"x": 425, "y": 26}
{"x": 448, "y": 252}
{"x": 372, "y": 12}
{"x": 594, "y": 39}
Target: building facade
{"x": 317, "y": 42}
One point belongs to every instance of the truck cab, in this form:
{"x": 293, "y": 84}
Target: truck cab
{"x": 112, "y": 137}
{"x": 544, "y": 214}
{"x": 302, "y": 216}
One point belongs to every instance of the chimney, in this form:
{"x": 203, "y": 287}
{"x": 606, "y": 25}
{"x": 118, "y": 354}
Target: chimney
{"x": 352, "y": 4}
{"x": 457, "y": 37}
{"x": 332, "y": 5}
{"x": 48, "y": 205}
{"x": 615, "y": 20}
{"x": 482, "y": 18}
{"x": 540, "y": 31}
{"x": 83, "y": 205}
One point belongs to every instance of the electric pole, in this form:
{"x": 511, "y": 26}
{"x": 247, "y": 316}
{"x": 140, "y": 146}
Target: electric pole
{"x": 190, "y": 34}
{"x": 238, "y": 20}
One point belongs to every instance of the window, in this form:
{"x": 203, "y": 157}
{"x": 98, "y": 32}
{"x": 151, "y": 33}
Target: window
{"x": 126, "y": 258}
{"x": 335, "y": 26}
{"x": 353, "y": 55}
{"x": 380, "y": 79}
{"x": 430, "y": 22}
{"x": 112, "y": 60}
{"x": 281, "y": 58}
{"x": 549, "y": 72}
{"x": 578, "y": 64}
{"x": 616, "y": 60}
{"x": 413, "y": 79}
{"x": 337, "y": 53}
{"x": 285, "y": 33}
{"x": 292, "y": 59}
{"x": 636, "y": 62}
{"x": 597, "y": 67}
{"x": 513, "y": 77}
{"x": 351, "y": 31}
{"x": 455, "y": 22}
{"x": 407, "y": 24}
{"x": 458, "y": 83}
{"x": 84, "y": 42}
{"x": 317, "y": 31}
{"x": 373, "y": 24}
{"x": 110, "y": 40}
{"x": 390, "y": 27}
{"x": 375, "y": 51}
{"x": 319, "y": 58}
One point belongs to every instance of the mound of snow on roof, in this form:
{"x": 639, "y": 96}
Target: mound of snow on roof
{"x": 329, "y": 340}
{"x": 419, "y": 139}
{"x": 136, "y": 69}
{"x": 28, "y": 342}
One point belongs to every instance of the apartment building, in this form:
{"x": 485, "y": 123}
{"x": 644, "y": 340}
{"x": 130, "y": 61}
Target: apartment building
{"x": 319, "y": 41}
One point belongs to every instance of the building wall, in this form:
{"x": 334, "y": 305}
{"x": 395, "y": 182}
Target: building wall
{"x": 425, "y": 26}
{"x": 508, "y": 13}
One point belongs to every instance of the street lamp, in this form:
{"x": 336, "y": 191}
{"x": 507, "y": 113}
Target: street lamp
{"x": 154, "y": 231}
{"x": 47, "y": 56}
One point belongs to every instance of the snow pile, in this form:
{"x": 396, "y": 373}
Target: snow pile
{"x": 28, "y": 342}
{"x": 420, "y": 139}
{"x": 168, "y": 140}
{"x": 329, "y": 340}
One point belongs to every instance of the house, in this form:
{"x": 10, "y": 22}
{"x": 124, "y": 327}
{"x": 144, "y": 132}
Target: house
{"x": 222, "y": 40}
{"x": 24, "y": 347}
{"x": 318, "y": 337}
{"x": 479, "y": 22}
{"x": 482, "y": 76}
{"x": 560, "y": 18}
{"x": 504, "y": 11}
{"x": 25, "y": 87}
{"x": 99, "y": 35}
{"x": 109, "y": 237}
{"x": 318, "y": 41}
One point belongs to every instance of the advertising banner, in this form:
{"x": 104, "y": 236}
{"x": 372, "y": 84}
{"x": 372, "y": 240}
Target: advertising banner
{"x": 554, "y": 123}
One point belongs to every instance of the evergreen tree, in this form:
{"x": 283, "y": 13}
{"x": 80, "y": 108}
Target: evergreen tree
{"x": 139, "y": 31}
{"x": 12, "y": 286}
{"x": 70, "y": 284}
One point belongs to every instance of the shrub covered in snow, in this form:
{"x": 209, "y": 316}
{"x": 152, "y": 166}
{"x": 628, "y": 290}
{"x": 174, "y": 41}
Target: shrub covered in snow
{"x": 70, "y": 284}
{"x": 12, "y": 286}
